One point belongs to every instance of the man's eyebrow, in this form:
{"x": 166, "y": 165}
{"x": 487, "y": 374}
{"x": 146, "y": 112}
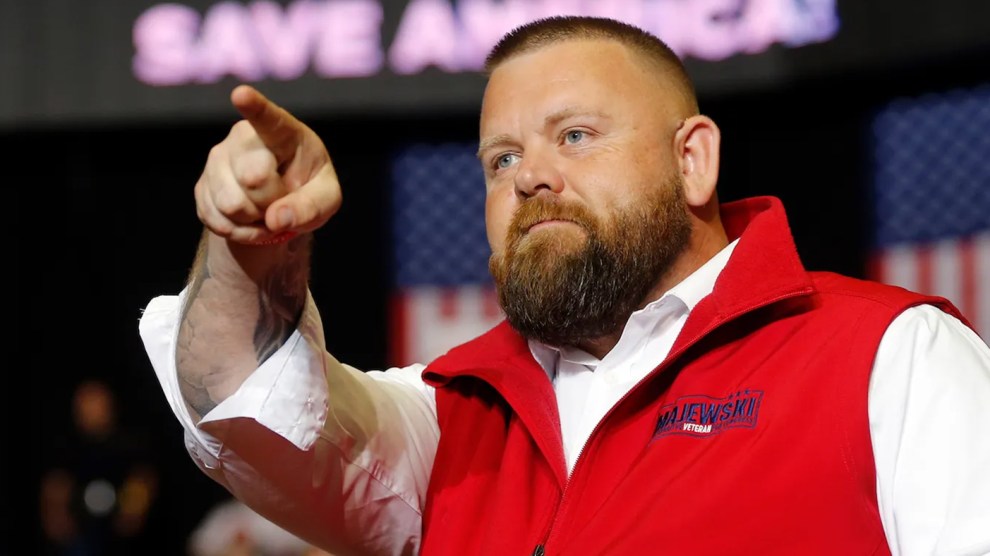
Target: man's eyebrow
{"x": 490, "y": 142}
{"x": 549, "y": 121}
{"x": 570, "y": 111}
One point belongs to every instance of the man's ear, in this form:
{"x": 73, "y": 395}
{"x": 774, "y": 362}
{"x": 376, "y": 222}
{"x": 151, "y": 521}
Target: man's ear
{"x": 696, "y": 144}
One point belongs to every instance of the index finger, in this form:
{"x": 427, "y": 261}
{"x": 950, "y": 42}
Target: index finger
{"x": 279, "y": 130}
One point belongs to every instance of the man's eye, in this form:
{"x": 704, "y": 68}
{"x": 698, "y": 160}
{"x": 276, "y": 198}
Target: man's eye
{"x": 505, "y": 161}
{"x": 574, "y": 136}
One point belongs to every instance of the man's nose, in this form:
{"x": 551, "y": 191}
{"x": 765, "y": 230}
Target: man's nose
{"x": 537, "y": 171}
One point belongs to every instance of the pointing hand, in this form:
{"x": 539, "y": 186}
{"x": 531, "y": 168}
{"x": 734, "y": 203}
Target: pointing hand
{"x": 271, "y": 174}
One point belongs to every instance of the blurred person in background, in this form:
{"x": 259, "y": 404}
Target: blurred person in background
{"x": 101, "y": 482}
{"x": 233, "y": 529}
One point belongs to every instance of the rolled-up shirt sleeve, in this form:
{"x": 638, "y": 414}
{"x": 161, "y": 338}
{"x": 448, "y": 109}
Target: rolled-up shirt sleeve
{"x": 337, "y": 456}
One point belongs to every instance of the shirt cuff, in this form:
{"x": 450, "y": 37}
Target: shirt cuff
{"x": 287, "y": 394}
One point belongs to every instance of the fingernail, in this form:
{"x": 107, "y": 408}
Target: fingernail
{"x": 284, "y": 217}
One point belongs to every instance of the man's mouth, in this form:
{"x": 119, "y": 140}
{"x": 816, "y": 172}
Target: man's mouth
{"x": 548, "y": 223}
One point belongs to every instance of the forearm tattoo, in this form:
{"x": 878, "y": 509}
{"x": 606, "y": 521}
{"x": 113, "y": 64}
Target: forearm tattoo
{"x": 280, "y": 300}
{"x": 208, "y": 353}
{"x": 192, "y": 375}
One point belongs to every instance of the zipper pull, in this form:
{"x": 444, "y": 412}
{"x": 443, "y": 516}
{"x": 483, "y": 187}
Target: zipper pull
{"x": 538, "y": 551}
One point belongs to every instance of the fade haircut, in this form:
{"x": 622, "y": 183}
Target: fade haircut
{"x": 550, "y": 30}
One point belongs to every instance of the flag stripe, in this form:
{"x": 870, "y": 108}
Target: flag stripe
{"x": 900, "y": 267}
{"x": 981, "y": 316}
{"x": 967, "y": 276}
{"x": 923, "y": 258}
{"x": 945, "y": 266}
{"x": 491, "y": 308}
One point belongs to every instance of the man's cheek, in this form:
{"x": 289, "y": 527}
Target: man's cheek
{"x": 497, "y": 227}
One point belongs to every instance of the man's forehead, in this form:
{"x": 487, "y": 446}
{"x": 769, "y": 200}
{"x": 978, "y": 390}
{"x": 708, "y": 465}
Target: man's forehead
{"x": 575, "y": 74}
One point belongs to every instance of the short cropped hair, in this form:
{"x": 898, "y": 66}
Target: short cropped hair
{"x": 550, "y": 30}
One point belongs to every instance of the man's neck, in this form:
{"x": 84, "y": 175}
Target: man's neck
{"x": 600, "y": 346}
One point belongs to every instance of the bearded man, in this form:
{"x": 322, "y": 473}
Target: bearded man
{"x": 669, "y": 378}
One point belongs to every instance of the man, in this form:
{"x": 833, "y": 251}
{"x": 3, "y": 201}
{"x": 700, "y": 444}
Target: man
{"x": 100, "y": 484}
{"x": 232, "y": 529}
{"x": 669, "y": 378}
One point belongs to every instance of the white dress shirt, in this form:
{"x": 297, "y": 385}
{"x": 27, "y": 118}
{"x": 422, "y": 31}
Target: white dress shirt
{"x": 376, "y": 433}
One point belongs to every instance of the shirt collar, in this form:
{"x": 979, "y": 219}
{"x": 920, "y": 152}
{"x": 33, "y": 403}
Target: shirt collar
{"x": 699, "y": 283}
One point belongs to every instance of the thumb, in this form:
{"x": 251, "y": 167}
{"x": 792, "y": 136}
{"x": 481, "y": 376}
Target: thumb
{"x": 309, "y": 207}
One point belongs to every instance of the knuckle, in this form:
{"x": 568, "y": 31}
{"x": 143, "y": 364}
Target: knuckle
{"x": 252, "y": 177}
{"x": 229, "y": 202}
{"x": 214, "y": 222}
{"x": 216, "y": 153}
{"x": 241, "y": 128}
{"x": 255, "y": 169}
{"x": 221, "y": 228}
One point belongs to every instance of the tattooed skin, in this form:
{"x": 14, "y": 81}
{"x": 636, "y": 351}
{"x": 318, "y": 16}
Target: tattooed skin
{"x": 231, "y": 324}
{"x": 280, "y": 297}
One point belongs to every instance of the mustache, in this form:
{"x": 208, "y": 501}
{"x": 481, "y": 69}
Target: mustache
{"x": 541, "y": 209}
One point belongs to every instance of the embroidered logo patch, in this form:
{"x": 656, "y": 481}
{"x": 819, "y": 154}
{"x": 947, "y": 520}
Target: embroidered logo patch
{"x": 701, "y": 415}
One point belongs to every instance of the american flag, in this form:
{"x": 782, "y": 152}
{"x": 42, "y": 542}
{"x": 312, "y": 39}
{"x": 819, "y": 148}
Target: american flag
{"x": 443, "y": 294}
{"x": 931, "y": 198}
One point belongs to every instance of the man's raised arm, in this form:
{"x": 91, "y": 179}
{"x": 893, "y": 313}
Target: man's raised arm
{"x": 265, "y": 187}
{"x": 339, "y": 457}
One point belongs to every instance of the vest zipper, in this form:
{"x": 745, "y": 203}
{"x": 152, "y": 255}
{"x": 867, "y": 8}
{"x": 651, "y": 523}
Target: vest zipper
{"x": 540, "y": 549}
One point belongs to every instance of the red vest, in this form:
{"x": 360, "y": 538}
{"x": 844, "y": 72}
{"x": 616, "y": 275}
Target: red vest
{"x": 752, "y": 437}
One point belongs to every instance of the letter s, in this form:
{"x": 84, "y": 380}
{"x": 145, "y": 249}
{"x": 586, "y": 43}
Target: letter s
{"x": 164, "y": 43}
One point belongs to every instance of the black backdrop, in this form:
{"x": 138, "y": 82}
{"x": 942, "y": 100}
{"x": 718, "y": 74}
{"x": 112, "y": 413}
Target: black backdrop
{"x": 104, "y": 220}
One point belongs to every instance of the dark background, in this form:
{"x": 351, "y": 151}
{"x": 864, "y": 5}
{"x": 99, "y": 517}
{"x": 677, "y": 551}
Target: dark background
{"x": 105, "y": 220}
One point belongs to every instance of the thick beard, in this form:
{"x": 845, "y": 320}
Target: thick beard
{"x": 561, "y": 294}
